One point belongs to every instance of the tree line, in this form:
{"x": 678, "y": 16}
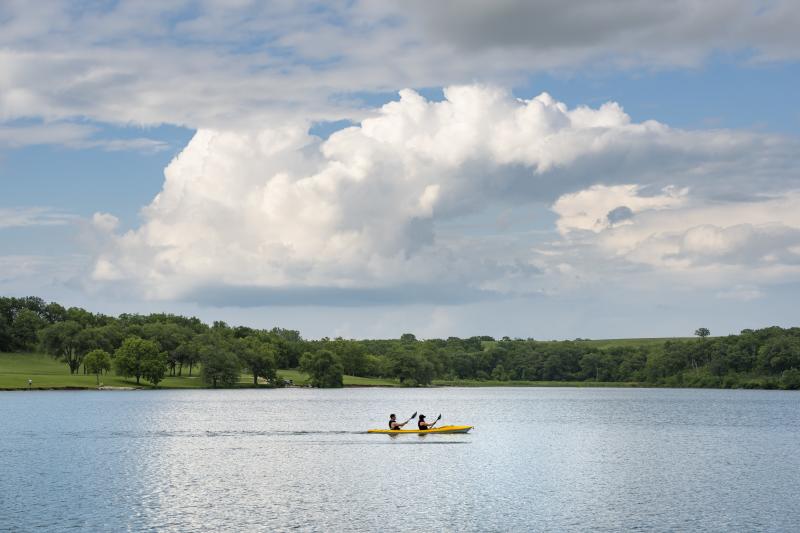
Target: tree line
{"x": 152, "y": 346}
{"x": 147, "y": 347}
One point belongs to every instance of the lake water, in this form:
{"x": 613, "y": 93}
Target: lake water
{"x": 547, "y": 459}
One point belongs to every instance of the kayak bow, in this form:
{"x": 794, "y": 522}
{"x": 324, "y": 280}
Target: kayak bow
{"x": 443, "y": 429}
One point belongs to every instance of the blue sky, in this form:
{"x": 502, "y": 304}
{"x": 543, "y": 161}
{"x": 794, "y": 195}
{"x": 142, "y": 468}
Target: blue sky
{"x": 412, "y": 217}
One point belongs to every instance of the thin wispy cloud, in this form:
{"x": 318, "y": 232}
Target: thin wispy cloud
{"x": 217, "y": 64}
{"x": 74, "y": 136}
{"x": 19, "y": 217}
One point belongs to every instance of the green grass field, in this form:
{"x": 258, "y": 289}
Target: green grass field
{"x": 47, "y": 373}
{"x": 299, "y": 378}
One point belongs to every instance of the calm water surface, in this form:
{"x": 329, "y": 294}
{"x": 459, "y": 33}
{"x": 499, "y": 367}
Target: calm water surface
{"x": 298, "y": 459}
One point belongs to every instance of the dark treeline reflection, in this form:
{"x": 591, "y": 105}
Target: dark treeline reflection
{"x": 155, "y": 345}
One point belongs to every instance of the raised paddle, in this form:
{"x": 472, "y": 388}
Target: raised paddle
{"x": 407, "y": 421}
{"x": 437, "y": 419}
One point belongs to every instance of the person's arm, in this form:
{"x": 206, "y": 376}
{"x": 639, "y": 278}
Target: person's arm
{"x": 398, "y": 425}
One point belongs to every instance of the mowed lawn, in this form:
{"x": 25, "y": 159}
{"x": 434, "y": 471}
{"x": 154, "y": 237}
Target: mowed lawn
{"x": 48, "y": 373}
{"x": 300, "y": 378}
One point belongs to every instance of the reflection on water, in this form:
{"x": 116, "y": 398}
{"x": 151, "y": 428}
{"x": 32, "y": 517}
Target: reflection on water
{"x": 539, "y": 459}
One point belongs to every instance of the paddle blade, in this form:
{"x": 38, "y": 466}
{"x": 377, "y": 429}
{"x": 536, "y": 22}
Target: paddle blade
{"x": 439, "y": 417}
{"x": 413, "y": 416}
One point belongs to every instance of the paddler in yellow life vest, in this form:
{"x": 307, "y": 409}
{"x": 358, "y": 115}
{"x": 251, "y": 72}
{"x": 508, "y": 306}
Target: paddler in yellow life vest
{"x": 394, "y": 424}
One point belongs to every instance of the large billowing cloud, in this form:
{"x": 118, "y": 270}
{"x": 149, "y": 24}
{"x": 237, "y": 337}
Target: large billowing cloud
{"x": 377, "y": 212}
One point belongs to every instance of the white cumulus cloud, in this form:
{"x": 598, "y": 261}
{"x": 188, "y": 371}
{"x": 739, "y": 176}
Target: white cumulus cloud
{"x": 283, "y": 212}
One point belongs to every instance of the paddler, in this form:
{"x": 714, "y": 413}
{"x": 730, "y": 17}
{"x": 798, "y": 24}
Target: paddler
{"x": 394, "y": 424}
{"x": 422, "y": 425}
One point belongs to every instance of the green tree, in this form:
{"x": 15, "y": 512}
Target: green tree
{"x": 702, "y": 332}
{"x": 790, "y": 379}
{"x": 61, "y": 340}
{"x": 352, "y": 355}
{"x": 665, "y": 362}
{"x": 154, "y": 368}
{"x": 54, "y": 312}
{"x": 290, "y": 346}
{"x": 779, "y": 353}
{"x": 24, "y": 329}
{"x": 139, "y": 358}
{"x": 411, "y": 369}
{"x": 81, "y": 316}
{"x": 96, "y": 362}
{"x": 598, "y": 366}
{"x": 259, "y": 357}
{"x": 408, "y": 338}
{"x": 220, "y": 366}
{"x": 188, "y": 353}
{"x": 324, "y": 369}
{"x": 169, "y": 336}
{"x": 92, "y": 338}
{"x": 499, "y": 373}
{"x": 5, "y": 336}
{"x": 463, "y": 365}
{"x": 631, "y": 362}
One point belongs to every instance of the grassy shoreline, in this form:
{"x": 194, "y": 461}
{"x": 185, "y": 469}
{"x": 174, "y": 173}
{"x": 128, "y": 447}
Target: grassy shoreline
{"x": 579, "y": 384}
{"x": 49, "y": 374}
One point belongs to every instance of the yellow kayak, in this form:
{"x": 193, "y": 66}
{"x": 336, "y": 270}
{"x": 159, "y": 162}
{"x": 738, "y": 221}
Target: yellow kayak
{"x": 443, "y": 429}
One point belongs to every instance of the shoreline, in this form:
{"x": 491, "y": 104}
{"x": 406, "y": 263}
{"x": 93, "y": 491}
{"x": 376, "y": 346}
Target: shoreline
{"x": 554, "y": 384}
{"x": 447, "y": 386}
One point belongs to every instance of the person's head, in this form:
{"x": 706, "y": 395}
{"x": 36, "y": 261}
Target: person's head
{"x": 422, "y": 417}
{"x": 392, "y": 416}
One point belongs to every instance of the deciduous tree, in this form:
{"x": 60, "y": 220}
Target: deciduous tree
{"x": 702, "y": 332}
{"x": 96, "y": 362}
{"x": 220, "y": 366}
{"x": 323, "y": 367}
{"x": 258, "y": 357}
{"x": 139, "y": 358}
{"x": 61, "y": 340}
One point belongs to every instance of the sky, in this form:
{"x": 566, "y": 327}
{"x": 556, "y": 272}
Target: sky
{"x": 601, "y": 169}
